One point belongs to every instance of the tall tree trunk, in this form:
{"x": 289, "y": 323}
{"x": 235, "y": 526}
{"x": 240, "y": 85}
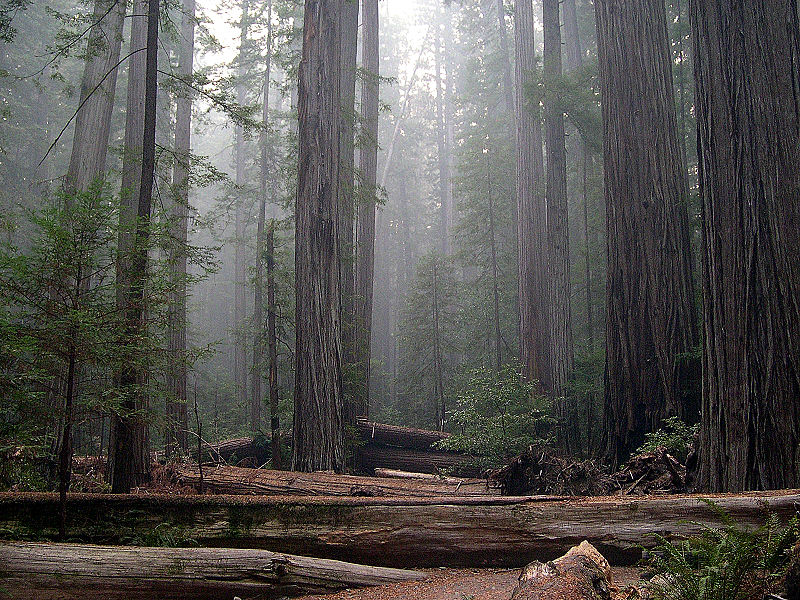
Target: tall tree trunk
{"x": 177, "y": 414}
{"x": 441, "y": 409}
{"x": 651, "y": 312}
{"x": 441, "y": 132}
{"x": 498, "y": 337}
{"x": 240, "y": 268}
{"x": 98, "y": 90}
{"x": 368, "y": 160}
{"x": 272, "y": 345}
{"x": 561, "y": 351}
{"x": 582, "y": 155}
{"x": 318, "y": 413}
{"x": 531, "y": 209}
{"x": 508, "y": 86}
{"x": 449, "y": 129}
{"x": 129, "y": 455}
{"x": 347, "y": 196}
{"x": 256, "y": 397}
{"x": 746, "y": 64}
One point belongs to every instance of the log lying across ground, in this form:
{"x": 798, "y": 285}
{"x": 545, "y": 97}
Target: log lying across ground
{"x": 371, "y": 457}
{"x": 234, "y": 480}
{"x": 397, "y": 532}
{"x": 72, "y": 571}
{"x": 401, "y": 437}
{"x": 239, "y": 447}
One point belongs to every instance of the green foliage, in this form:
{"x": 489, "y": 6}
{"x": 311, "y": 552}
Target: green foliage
{"x": 674, "y": 435}
{"x": 497, "y": 416}
{"x": 729, "y": 562}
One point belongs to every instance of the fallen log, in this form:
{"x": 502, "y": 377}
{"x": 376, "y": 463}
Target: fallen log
{"x": 395, "y": 474}
{"x": 73, "y": 571}
{"x": 234, "y": 480}
{"x": 401, "y": 437}
{"x": 398, "y": 532}
{"x": 581, "y": 574}
{"x": 240, "y": 449}
{"x": 371, "y": 457}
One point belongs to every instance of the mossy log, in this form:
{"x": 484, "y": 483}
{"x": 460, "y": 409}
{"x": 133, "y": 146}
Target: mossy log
{"x": 233, "y": 480}
{"x": 38, "y": 571}
{"x": 373, "y": 456}
{"x": 397, "y": 532}
{"x": 400, "y": 437}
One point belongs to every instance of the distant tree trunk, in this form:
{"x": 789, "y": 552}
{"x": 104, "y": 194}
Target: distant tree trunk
{"x": 256, "y": 397}
{"x": 531, "y": 211}
{"x": 347, "y": 196}
{"x": 98, "y": 90}
{"x": 318, "y": 414}
{"x": 651, "y": 313}
{"x": 498, "y": 337}
{"x": 368, "y": 160}
{"x": 508, "y": 86}
{"x": 441, "y": 409}
{"x": 449, "y": 133}
{"x": 441, "y": 132}
{"x": 582, "y": 154}
{"x": 129, "y": 455}
{"x": 240, "y": 268}
{"x": 746, "y": 65}
{"x": 561, "y": 350}
{"x": 177, "y": 414}
{"x": 272, "y": 345}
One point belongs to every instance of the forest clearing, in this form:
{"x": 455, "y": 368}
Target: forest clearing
{"x": 435, "y": 299}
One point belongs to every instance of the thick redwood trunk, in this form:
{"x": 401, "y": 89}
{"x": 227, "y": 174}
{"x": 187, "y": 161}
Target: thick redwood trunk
{"x": 531, "y": 212}
{"x": 368, "y": 161}
{"x": 561, "y": 351}
{"x": 177, "y": 415}
{"x": 448, "y": 531}
{"x": 318, "y": 415}
{"x": 746, "y": 65}
{"x": 650, "y": 326}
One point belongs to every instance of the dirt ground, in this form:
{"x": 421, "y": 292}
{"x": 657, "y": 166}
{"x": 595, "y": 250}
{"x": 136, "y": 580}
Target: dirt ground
{"x": 461, "y": 584}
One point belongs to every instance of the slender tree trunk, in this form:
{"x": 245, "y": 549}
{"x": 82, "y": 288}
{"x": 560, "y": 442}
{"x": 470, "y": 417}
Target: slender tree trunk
{"x": 561, "y": 350}
{"x": 130, "y": 460}
{"x": 272, "y": 345}
{"x": 368, "y": 159}
{"x": 347, "y": 199}
{"x": 531, "y": 210}
{"x": 256, "y": 397}
{"x": 240, "y": 268}
{"x": 65, "y": 455}
{"x": 177, "y": 414}
{"x": 441, "y": 132}
{"x": 98, "y": 90}
{"x": 651, "y": 312}
{"x": 508, "y": 86}
{"x": 449, "y": 133}
{"x": 498, "y": 338}
{"x": 318, "y": 414}
{"x": 441, "y": 409}
{"x": 746, "y": 57}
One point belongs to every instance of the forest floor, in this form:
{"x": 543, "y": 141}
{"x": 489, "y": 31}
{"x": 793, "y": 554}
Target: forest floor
{"x": 465, "y": 584}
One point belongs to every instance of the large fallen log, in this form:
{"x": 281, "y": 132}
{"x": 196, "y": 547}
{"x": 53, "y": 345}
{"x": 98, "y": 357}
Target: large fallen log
{"x": 401, "y": 437}
{"x": 72, "y": 571}
{"x": 398, "y": 532}
{"x": 239, "y": 449}
{"x": 234, "y": 480}
{"x": 371, "y": 457}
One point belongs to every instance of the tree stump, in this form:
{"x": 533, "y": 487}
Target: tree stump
{"x": 581, "y": 574}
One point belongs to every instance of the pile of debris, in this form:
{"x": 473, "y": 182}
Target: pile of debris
{"x": 540, "y": 471}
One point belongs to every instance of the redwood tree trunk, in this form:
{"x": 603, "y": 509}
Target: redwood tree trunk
{"x": 98, "y": 90}
{"x": 318, "y": 412}
{"x": 256, "y": 397}
{"x": 178, "y": 422}
{"x": 508, "y": 87}
{"x": 746, "y": 65}
{"x": 561, "y": 350}
{"x": 531, "y": 212}
{"x": 651, "y": 312}
{"x": 368, "y": 159}
{"x": 445, "y": 193}
{"x": 272, "y": 345}
{"x": 347, "y": 194}
{"x": 130, "y": 450}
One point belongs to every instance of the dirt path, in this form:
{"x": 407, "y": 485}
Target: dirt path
{"x": 458, "y": 584}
